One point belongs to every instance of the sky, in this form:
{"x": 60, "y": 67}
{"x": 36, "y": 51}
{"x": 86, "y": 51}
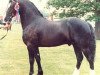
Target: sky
{"x": 3, "y": 5}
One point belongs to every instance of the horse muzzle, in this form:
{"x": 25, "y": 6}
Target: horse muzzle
{"x": 6, "y": 26}
{"x": 8, "y": 19}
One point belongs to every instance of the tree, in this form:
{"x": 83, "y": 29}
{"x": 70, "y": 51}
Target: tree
{"x": 80, "y": 8}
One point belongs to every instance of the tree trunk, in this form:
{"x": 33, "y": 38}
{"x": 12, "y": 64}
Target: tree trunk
{"x": 97, "y": 30}
{"x": 97, "y": 23}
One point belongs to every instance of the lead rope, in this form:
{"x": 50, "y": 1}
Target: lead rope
{"x": 4, "y": 35}
{"x": 7, "y": 28}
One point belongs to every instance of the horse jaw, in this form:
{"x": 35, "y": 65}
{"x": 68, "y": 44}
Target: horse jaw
{"x": 92, "y": 72}
{"x": 76, "y": 72}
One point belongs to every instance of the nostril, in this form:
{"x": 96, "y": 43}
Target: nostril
{"x": 5, "y": 19}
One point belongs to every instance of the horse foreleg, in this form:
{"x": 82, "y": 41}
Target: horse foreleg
{"x": 79, "y": 57}
{"x": 38, "y": 60}
{"x": 31, "y": 59}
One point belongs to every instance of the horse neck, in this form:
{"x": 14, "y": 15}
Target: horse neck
{"x": 27, "y": 15}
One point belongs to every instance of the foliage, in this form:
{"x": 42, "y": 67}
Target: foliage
{"x": 77, "y": 8}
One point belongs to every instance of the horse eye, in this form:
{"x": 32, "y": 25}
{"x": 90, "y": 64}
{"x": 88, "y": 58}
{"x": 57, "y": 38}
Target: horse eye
{"x": 12, "y": 14}
{"x": 10, "y": 17}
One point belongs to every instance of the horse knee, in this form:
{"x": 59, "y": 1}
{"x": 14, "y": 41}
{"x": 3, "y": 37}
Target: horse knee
{"x": 37, "y": 58}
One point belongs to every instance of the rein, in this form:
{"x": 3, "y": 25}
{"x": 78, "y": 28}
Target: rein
{"x": 4, "y": 35}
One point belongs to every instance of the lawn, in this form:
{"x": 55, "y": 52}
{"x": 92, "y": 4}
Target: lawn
{"x": 55, "y": 60}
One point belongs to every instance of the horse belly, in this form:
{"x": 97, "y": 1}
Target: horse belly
{"x": 55, "y": 41}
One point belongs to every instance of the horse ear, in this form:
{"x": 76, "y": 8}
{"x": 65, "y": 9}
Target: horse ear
{"x": 12, "y": 1}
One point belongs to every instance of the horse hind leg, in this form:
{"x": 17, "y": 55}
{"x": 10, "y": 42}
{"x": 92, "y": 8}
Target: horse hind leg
{"x": 79, "y": 57}
{"x": 90, "y": 54}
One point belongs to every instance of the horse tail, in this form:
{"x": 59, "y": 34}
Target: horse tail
{"x": 92, "y": 42}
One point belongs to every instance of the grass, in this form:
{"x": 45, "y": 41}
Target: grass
{"x": 59, "y": 60}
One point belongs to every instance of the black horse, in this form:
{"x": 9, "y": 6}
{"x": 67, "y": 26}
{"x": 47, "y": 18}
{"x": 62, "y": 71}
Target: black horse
{"x": 39, "y": 32}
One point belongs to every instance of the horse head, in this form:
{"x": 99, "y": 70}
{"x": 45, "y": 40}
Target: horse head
{"x": 12, "y": 10}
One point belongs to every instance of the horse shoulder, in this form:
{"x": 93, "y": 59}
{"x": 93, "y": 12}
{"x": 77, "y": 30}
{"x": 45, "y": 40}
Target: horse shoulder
{"x": 30, "y": 35}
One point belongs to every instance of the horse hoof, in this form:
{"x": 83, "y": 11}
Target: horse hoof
{"x": 31, "y": 74}
{"x": 40, "y": 73}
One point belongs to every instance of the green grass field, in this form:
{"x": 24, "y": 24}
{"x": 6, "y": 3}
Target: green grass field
{"x": 55, "y": 60}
